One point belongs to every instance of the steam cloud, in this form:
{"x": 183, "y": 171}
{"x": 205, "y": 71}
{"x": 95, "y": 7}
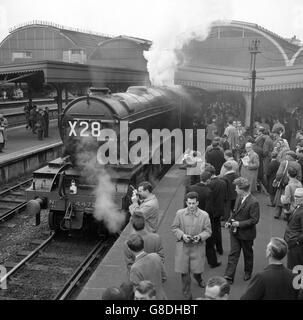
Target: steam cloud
{"x": 106, "y": 209}
{"x": 193, "y": 22}
{"x": 3, "y": 22}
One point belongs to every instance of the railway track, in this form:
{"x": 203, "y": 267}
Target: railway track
{"x": 53, "y": 268}
{"x": 13, "y": 200}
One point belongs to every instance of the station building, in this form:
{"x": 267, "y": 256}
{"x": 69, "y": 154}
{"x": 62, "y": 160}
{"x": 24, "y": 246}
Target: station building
{"x": 220, "y": 64}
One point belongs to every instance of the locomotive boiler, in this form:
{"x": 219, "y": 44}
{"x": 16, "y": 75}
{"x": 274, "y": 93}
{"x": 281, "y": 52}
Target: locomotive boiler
{"x": 66, "y": 189}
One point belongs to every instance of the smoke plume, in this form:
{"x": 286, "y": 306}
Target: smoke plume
{"x": 192, "y": 21}
{"x": 106, "y": 210}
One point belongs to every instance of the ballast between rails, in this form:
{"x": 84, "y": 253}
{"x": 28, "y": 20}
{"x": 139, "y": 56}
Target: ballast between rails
{"x": 20, "y": 207}
{"x": 97, "y": 253}
{"x": 27, "y": 258}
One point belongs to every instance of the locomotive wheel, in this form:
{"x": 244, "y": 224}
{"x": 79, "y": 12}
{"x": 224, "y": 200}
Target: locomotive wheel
{"x": 53, "y": 220}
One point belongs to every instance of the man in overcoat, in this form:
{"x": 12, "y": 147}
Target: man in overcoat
{"x": 206, "y": 204}
{"x": 191, "y": 227}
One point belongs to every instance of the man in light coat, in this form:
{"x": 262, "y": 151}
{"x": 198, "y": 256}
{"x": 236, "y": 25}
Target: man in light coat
{"x": 249, "y": 169}
{"x": 191, "y": 227}
{"x": 147, "y": 203}
{"x": 232, "y": 135}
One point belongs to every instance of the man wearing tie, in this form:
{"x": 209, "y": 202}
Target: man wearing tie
{"x": 242, "y": 224}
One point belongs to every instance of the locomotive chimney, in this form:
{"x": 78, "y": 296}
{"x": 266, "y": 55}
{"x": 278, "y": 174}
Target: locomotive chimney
{"x": 100, "y": 91}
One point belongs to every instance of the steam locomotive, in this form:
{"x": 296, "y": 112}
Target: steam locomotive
{"x": 66, "y": 188}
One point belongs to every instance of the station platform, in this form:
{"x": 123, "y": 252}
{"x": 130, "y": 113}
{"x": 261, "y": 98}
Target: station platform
{"x": 170, "y": 193}
{"x": 20, "y": 141}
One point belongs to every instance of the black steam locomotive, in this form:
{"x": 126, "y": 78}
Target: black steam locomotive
{"x": 66, "y": 185}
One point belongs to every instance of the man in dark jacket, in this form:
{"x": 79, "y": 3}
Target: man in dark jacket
{"x": 218, "y": 188}
{"x": 294, "y": 232}
{"x": 276, "y": 281}
{"x": 271, "y": 175}
{"x": 215, "y": 157}
{"x": 205, "y": 203}
{"x": 231, "y": 194}
{"x": 243, "y": 231}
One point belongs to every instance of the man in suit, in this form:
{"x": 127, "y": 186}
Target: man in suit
{"x": 271, "y": 175}
{"x": 268, "y": 148}
{"x": 205, "y": 203}
{"x": 242, "y": 225}
{"x": 203, "y": 191}
{"x": 147, "y": 266}
{"x": 294, "y": 232}
{"x": 231, "y": 194}
{"x": 219, "y": 192}
{"x": 152, "y": 241}
{"x": 276, "y": 281}
{"x": 215, "y": 157}
{"x": 191, "y": 228}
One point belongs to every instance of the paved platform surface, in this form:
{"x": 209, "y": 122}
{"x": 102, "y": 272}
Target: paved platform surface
{"x": 170, "y": 193}
{"x": 10, "y": 110}
{"x": 21, "y": 140}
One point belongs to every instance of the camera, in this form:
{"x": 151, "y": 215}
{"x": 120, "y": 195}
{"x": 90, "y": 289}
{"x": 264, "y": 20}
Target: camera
{"x": 230, "y": 226}
{"x": 193, "y": 239}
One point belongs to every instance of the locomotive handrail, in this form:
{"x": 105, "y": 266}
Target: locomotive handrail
{"x": 57, "y": 174}
{"x": 61, "y": 183}
{"x": 148, "y": 110}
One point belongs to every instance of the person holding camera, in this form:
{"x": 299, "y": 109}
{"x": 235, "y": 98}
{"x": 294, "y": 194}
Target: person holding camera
{"x": 191, "y": 227}
{"x": 242, "y": 224}
{"x": 281, "y": 179}
{"x": 144, "y": 201}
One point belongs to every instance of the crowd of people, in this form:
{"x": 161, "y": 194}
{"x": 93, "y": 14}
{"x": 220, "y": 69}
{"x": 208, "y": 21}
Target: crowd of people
{"x": 223, "y": 194}
{"x": 37, "y": 120}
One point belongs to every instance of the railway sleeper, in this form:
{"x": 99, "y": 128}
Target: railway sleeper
{"x": 12, "y": 200}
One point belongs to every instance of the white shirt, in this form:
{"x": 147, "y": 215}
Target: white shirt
{"x": 244, "y": 198}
